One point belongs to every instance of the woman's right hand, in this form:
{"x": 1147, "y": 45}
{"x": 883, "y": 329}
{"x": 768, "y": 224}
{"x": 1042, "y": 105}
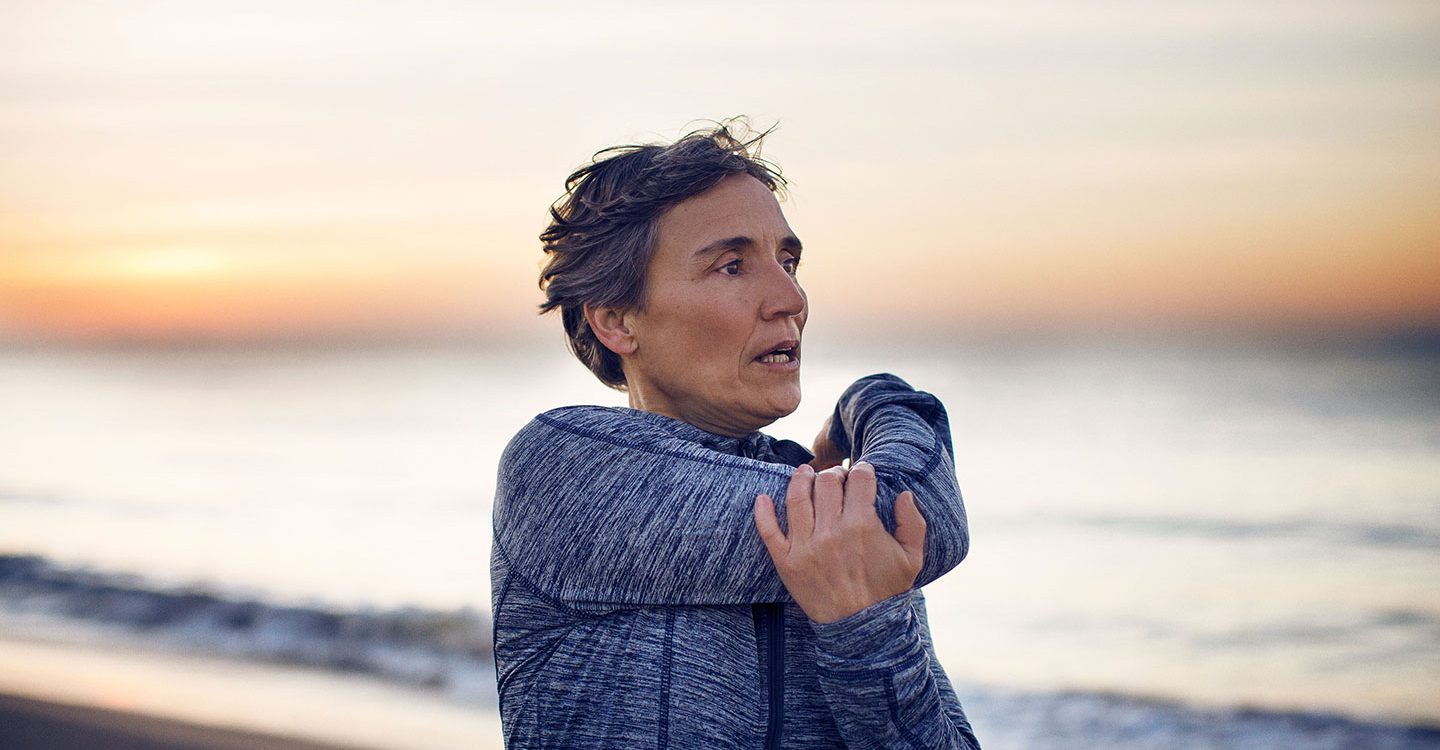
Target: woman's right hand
{"x": 838, "y": 559}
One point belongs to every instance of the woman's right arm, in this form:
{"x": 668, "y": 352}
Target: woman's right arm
{"x": 601, "y": 511}
{"x": 905, "y": 435}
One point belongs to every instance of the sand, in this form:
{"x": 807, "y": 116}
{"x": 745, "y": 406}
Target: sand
{"x": 235, "y": 698}
{"x": 30, "y": 724}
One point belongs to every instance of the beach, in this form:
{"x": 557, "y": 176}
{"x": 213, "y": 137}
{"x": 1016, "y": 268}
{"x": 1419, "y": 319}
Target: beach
{"x": 42, "y": 725}
{"x": 68, "y": 690}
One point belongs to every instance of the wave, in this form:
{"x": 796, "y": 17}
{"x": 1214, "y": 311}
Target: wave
{"x": 450, "y": 651}
{"x": 1006, "y": 720}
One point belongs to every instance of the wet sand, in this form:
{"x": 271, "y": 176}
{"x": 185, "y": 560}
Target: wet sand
{"x": 30, "y": 724}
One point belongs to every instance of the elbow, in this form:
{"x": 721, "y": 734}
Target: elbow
{"x": 962, "y": 542}
{"x": 959, "y": 521}
{"x": 947, "y": 529}
{"x": 950, "y": 545}
{"x": 965, "y": 552}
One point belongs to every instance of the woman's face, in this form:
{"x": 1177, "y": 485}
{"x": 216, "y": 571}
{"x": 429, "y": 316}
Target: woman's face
{"x": 721, "y": 299}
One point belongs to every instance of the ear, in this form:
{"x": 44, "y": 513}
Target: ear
{"x": 612, "y": 326}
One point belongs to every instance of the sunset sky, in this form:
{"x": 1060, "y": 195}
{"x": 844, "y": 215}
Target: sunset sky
{"x": 250, "y": 170}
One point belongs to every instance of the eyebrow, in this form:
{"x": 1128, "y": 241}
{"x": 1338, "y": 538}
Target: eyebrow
{"x": 789, "y": 242}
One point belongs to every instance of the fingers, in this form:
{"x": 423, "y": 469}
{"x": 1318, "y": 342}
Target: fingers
{"x": 768, "y": 524}
{"x": 829, "y": 498}
{"x": 860, "y": 493}
{"x": 910, "y": 528}
{"x": 799, "y": 510}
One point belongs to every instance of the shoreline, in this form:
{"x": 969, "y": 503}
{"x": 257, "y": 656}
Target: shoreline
{"x": 217, "y": 698}
{"x": 37, "y": 724}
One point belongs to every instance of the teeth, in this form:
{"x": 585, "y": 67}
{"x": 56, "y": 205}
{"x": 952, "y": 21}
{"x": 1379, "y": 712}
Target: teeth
{"x": 775, "y": 359}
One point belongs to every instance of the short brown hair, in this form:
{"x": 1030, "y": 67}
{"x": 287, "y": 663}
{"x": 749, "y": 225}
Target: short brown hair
{"x": 602, "y": 231}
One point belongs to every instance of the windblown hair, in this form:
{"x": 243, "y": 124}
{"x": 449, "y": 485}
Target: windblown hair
{"x": 602, "y": 231}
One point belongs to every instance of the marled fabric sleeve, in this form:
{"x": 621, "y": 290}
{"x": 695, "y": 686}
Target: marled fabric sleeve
{"x": 601, "y": 510}
{"x": 883, "y": 684}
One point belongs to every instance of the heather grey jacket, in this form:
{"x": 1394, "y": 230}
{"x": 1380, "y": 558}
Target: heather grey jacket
{"x": 636, "y": 607}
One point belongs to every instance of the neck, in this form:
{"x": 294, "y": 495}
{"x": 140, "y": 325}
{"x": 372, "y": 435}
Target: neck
{"x": 656, "y": 401}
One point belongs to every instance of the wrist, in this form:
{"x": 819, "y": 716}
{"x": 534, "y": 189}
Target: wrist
{"x": 874, "y": 632}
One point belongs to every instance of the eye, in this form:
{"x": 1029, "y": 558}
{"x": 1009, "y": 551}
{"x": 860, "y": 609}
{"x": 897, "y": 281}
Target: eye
{"x": 791, "y": 264}
{"x": 732, "y": 268}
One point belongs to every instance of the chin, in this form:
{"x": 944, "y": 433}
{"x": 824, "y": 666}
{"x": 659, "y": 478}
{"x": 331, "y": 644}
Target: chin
{"x": 783, "y": 405}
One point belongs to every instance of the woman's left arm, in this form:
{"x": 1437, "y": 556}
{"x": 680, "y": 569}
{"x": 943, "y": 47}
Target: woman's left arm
{"x": 599, "y": 510}
{"x": 883, "y": 684}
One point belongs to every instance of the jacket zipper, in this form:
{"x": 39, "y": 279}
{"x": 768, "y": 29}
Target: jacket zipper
{"x": 775, "y": 659}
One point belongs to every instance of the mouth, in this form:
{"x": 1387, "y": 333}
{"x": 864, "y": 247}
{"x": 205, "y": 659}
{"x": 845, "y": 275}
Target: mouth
{"x": 786, "y": 354}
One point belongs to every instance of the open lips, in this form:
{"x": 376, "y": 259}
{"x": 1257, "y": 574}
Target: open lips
{"x": 786, "y": 351}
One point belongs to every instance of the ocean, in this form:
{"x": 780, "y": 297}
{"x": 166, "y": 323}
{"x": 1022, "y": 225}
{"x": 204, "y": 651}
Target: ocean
{"x": 1174, "y": 545}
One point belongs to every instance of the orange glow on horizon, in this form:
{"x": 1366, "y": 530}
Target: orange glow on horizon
{"x": 166, "y": 297}
{"x": 175, "y": 294}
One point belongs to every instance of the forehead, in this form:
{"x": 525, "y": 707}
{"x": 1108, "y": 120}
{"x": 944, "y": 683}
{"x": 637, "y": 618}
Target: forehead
{"x": 737, "y": 205}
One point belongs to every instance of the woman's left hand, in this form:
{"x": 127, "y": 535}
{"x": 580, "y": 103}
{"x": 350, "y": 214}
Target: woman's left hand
{"x": 838, "y": 559}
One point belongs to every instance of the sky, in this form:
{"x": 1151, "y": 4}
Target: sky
{"x": 261, "y": 170}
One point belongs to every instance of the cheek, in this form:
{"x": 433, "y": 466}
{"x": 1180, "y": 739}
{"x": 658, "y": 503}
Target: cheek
{"x": 706, "y": 333}
{"x": 717, "y": 331}
{"x": 690, "y": 344}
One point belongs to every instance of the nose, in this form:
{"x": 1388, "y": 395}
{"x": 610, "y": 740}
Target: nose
{"x": 783, "y": 296}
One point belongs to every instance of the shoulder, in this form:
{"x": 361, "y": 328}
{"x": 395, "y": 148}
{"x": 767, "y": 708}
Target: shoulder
{"x": 552, "y": 431}
{"x": 605, "y": 420}
{"x": 589, "y": 430}
{"x": 591, "y": 424}
{"x": 573, "y": 435}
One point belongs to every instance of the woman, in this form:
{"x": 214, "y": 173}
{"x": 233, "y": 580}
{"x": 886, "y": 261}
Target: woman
{"x": 665, "y": 575}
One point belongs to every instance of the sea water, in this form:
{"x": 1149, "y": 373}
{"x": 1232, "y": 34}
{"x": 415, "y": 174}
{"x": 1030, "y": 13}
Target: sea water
{"x": 1197, "y": 545}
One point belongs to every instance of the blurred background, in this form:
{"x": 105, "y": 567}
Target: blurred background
{"x": 267, "y": 318}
